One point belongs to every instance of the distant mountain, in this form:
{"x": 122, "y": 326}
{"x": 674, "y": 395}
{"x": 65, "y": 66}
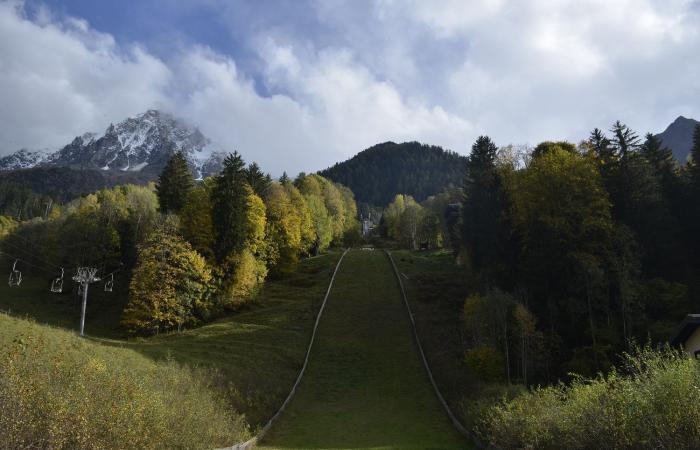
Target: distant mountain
{"x": 142, "y": 144}
{"x": 380, "y": 172}
{"x": 23, "y": 159}
{"x": 679, "y": 137}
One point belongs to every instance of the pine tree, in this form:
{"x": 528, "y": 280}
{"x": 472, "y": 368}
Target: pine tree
{"x": 174, "y": 183}
{"x": 601, "y": 146}
{"x": 694, "y": 166}
{"x": 259, "y": 181}
{"x": 483, "y": 206}
{"x": 624, "y": 139}
{"x": 230, "y": 207}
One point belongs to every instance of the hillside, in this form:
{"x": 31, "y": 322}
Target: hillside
{"x": 679, "y": 137}
{"x": 378, "y": 173}
{"x": 61, "y": 391}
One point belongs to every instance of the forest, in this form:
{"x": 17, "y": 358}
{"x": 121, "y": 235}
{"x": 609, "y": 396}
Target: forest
{"x": 577, "y": 251}
{"x": 378, "y": 173}
{"x": 190, "y": 251}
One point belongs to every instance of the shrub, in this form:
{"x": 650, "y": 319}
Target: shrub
{"x": 653, "y": 401}
{"x": 58, "y": 391}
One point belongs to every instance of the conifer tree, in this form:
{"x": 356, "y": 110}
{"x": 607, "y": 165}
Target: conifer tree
{"x": 230, "y": 207}
{"x": 483, "y": 205}
{"x": 174, "y": 183}
{"x": 259, "y": 181}
{"x": 694, "y": 165}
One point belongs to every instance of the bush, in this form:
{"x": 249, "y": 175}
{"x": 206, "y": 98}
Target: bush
{"x": 58, "y": 391}
{"x": 485, "y": 362}
{"x": 652, "y": 402}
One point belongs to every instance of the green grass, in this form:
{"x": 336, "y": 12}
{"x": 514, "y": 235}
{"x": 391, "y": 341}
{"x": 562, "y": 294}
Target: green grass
{"x": 258, "y": 351}
{"x": 436, "y": 289}
{"x": 365, "y": 386}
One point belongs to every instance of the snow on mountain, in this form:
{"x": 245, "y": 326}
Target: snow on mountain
{"x": 143, "y": 143}
{"x": 23, "y": 159}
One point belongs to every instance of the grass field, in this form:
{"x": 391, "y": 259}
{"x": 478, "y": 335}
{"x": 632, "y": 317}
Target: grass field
{"x": 365, "y": 386}
{"x": 436, "y": 289}
{"x": 257, "y": 352}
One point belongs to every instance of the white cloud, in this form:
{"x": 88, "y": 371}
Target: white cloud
{"x": 436, "y": 71}
{"x": 61, "y": 79}
{"x": 58, "y": 80}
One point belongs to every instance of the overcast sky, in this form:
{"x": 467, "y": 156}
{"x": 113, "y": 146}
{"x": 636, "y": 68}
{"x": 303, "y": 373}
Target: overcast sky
{"x": 298, "y": 85}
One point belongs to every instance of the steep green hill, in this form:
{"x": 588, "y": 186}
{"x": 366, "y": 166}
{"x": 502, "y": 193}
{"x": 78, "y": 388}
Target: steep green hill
{"x": 377, "y": 174}
{"x": 365, "y": 386}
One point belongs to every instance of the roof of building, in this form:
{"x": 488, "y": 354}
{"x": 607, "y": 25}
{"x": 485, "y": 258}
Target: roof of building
{"x": 685, "y": 329}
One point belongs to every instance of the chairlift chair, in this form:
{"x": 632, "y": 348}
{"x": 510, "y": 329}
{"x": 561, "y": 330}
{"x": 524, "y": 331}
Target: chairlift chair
{"x": 15, "y": 275}
{"x": 109, "y": 284}
{"x": 57, "y": 283}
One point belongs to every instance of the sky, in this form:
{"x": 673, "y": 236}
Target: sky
{"x": 298, "y": 85}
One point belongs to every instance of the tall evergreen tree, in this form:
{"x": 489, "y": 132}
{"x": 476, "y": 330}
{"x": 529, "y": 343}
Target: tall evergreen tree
{"x": 483, "y": 207}
{"x": 174, "y": 183}
{"x": 230, "y": 207}
{"x": 625, "y": 140}
{"x": 259, "y": 181}
{"x": 601, "y": 146}
{"x": 694, "y": 166}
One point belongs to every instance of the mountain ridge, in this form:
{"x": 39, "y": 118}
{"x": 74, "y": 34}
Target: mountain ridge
{"x": 143, "y": 143}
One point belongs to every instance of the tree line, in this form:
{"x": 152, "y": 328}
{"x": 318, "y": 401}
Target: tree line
{"x": 575, "y": 252}
{"x": 191, "y": 250}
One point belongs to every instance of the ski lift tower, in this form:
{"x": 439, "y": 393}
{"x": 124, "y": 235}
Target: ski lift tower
{"x": 85, "y": 276}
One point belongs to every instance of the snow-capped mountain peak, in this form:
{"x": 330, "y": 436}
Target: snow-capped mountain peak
{"x": 141, "y": 143}
{"x": 23, "y": 159}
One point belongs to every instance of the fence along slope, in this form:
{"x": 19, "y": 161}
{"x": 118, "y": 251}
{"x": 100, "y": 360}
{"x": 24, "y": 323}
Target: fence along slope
{"x": 455, "y": 422}
{"x": 251, "y": 442}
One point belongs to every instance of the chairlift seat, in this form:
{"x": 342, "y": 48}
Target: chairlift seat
{"x": 109, "y": 284}
{"x": 57, "y": 283}
{"x": 15, "y": 275}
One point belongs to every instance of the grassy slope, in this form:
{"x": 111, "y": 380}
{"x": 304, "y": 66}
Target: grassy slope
{"x": 365, "y": 386}
{"x": 258, "y": 350}
{"x": 436, "y": 291}
{"x": 94, "y": 396}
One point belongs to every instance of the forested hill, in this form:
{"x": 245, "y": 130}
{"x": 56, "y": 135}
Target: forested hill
{"x": 377, "y": 174}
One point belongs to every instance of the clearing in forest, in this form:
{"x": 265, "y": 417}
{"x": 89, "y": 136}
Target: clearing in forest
{"x": 365, "y": 386}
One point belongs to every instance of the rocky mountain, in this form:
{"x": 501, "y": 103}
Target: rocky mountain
{"x": 679, "y": 137}
{"x": 23, "y": 159}
{"x": 142, "y": 144}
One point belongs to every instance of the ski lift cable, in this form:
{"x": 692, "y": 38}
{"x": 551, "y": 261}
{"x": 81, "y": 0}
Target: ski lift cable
{"x": 121, "y": 266}
{"x": 43, "y": 269}
{"x": 31, "y": 255}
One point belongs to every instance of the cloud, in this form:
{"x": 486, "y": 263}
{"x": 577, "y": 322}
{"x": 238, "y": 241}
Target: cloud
{"x": 314, "y": 87}
{"x": 62, "y": 78}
